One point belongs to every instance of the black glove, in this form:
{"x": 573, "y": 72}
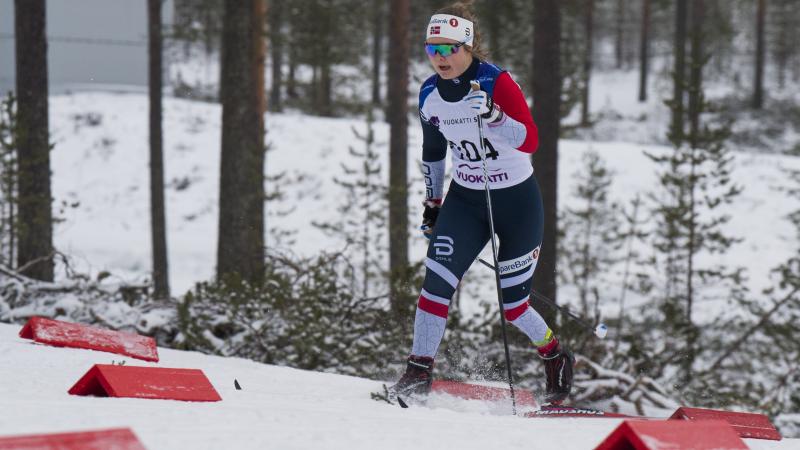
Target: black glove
{"x": 429, "y": 216}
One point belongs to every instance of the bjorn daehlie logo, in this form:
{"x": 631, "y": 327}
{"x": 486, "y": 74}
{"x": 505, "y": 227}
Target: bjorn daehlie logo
{"x": 443, "y": 248}
{"x": 434, "y": 121}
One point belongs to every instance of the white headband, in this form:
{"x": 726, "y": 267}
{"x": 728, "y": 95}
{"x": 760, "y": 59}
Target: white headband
{"x": 451, "y": 27}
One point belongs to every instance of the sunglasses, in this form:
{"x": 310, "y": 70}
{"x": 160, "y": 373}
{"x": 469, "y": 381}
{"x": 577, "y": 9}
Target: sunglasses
{"x": 442, "y": 49}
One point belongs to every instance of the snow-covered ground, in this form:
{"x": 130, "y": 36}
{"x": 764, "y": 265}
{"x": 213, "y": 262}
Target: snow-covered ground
{"x": 278, "y": 407}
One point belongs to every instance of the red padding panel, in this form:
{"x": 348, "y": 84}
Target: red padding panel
{"x": 671, "y": 434}
{"x": 66, "y": 334}
{"x": 748, "y": 425}
{"x": 117, "y": 438}
{"x": 488, "y": 393}
{"x": 104, "y": 380}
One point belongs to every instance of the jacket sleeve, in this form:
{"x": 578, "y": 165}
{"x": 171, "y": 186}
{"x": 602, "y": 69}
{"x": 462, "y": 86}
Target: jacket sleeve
{"x": 434, "y": 151}
{"x": 516, "y": 126}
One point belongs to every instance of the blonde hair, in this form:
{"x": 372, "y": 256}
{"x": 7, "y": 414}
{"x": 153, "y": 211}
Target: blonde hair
{"x": 463, "y": 9}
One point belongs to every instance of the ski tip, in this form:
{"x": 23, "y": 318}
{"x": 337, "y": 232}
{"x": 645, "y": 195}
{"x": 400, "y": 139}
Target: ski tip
{"x": 402, "y": 402}
{"x": 237, "y": 385}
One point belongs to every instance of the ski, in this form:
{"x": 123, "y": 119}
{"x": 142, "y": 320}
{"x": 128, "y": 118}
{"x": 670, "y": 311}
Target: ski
{"x": 561, "y": 410}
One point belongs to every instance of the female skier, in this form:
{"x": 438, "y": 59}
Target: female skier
{"x": 458, "y": 228}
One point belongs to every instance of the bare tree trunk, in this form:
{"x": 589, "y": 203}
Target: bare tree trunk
{"x": 291, "y": 80}
{"x": 377, "y": 39}
{"x": 644, "y": 50}
{"x": 33, "y": 147}
{"x": 696, "y": 72}
{"x": 494, "y": 27}
{"x": 619, "y": 42}
{"x": 276, "y": 17}
{"x": 679, "y": 71}
{"x": 325, "y": 90}
{"x": 758, "y": 83}
{"x": 547, "y": 115}
{"x": 587, "y": 62}
{"x": 158, "y": 221}
{"x": 259, "y": 58}
{"x": 241, "y": 218}
{"x": 397, "y": 115}
{"x": 695, "y": 108}
{"x": 781, "y": 11}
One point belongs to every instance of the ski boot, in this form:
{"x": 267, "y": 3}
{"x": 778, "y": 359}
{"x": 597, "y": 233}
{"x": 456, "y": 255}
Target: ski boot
{"x": 558, "y": 364}
{"x": 417, "y": 380}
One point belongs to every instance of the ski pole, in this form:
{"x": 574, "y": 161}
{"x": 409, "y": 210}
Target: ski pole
{"x": 475, "y": 87}
{"x": 600, "y": 330}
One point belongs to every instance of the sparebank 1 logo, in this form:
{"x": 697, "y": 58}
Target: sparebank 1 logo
{"x": 443, "y": 246}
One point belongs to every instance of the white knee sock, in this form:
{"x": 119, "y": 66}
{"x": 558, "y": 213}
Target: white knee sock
{"x": 429, "y": 324}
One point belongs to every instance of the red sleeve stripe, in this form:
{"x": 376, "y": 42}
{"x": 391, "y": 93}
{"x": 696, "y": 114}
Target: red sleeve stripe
{"x": 429, "y": 306}
{"x": 509, "y": 96}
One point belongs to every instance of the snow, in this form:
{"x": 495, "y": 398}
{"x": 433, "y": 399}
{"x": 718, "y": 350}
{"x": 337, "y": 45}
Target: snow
{"x": 278, "y": 407}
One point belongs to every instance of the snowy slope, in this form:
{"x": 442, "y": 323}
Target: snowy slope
{"x": 277, "y": 408}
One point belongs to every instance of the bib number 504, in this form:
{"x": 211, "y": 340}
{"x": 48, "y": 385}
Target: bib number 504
{"x": 469, "y": 151}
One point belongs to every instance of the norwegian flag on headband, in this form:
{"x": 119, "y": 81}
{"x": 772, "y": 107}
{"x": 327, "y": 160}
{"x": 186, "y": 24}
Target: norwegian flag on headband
{"x": 451, "y": 27}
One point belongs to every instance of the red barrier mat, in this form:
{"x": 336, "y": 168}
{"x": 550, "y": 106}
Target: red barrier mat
{"x": 478, "y": 392}
{"x": 747, "y": 425}
{"x": 117, "y": 438}
{"x": 672, "y": 434}
{"x": 104, "y": 380}
{"x": 66, "y": 334}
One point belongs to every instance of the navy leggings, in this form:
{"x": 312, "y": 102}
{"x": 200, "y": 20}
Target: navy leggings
{"x": 462, "y": 231}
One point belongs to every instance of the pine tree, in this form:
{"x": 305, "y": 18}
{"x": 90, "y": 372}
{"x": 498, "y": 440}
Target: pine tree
{"x": 635, "y": 277}
{"x": 762, "y": 334}
{"x": 196, "y": 32}
{"x": 589, "y": 244}
{"x": 363, "y": 219}
{"x": 509, "y": 51}
{"x": 695, "y": 181}
{"x": 324, "y": 34}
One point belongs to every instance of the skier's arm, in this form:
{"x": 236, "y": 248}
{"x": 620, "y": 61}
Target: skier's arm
{"x": 515, "y": 126}
{"x": 434, "y": 151}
